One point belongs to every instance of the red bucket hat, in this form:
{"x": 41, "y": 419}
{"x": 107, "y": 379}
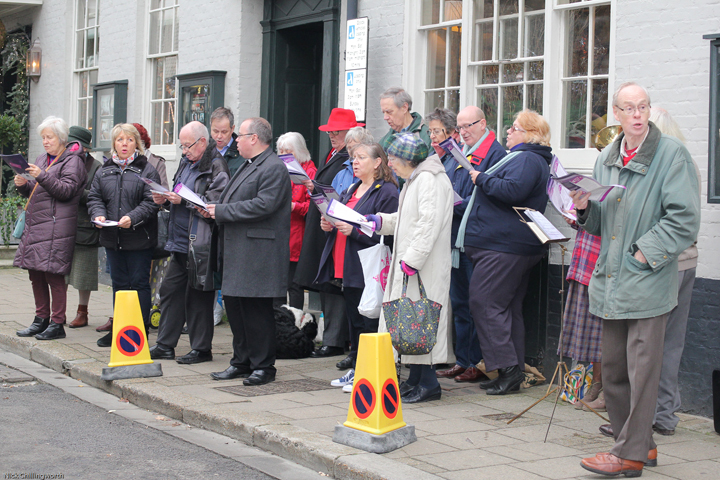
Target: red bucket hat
{"x": 340, "y": 119}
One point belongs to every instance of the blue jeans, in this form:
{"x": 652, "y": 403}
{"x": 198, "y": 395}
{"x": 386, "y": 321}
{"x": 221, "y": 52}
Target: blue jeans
{"x": 467, "y": 346}
{"x": 130, "y": 270}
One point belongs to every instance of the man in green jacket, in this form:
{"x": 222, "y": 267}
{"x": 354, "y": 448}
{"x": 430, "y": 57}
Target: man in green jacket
{"x": 644, "y": 227}
{"x": 396, "y": 104}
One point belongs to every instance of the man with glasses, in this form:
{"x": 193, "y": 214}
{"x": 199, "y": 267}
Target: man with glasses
{"x": 254, "y": 241}
{"x": 644, "y": 227}
{"x": 184, "y": 296}
{"x": 396, "y": 104}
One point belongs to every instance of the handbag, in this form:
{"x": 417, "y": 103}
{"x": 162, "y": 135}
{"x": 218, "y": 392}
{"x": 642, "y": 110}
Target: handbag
{"x": 375, "y": 263}
{"x": 159, "y": 251}
{"x": 198, "y": 261}
{"x": 20, "y": 222}
{"x": 412, "y": 325}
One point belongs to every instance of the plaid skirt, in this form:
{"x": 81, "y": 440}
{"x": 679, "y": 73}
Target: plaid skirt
{"x": 84, "y": 272}
{"x": 582, "y": 331}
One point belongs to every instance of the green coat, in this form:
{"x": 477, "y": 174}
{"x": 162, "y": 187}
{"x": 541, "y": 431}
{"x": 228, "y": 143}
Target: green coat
{"x": 416, "y": 127}
{"x": 658, "y": 213}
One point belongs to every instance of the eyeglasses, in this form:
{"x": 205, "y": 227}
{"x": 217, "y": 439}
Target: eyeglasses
{"x": 642, "y": 108}
{"x": 436, "y": 132}
{"x": 188, "y": 147}
{"x": 333, "y": 133}
{"x": 465, "y": 127}
{"x": 245, "y": 134}
{"x": 515, "y": 128}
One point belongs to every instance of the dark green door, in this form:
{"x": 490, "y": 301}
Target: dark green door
{"x": 298, "y": 84}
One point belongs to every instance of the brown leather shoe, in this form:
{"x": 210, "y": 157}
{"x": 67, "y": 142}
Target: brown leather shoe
{"x": 451, "y": 373}
{"x": 472, "y": 374}
{"x": 81, "y": 320}
{"x": 651, "y": 460}
{"x": 107, "y": 327}
{"x": 609, "y": 464}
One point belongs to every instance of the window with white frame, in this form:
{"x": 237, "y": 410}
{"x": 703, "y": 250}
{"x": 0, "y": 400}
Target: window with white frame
{"x": 162, "y": 52}
{"x": 504, "y": 50}
{"x": 86, "y": 58}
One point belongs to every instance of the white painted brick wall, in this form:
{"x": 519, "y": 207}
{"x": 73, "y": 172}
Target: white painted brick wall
{"x": 659, "y": 44}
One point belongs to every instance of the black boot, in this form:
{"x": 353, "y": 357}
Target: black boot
{"x": 53, "y": 332}
{"x": 38, "y": 326}
{"x": 488, "y": 383}
{"x": 509, "y": 379}
{"x": 105, "y": 341}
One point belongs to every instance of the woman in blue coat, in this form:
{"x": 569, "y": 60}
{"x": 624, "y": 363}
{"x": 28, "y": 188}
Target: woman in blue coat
{"x": 376, "y": 191}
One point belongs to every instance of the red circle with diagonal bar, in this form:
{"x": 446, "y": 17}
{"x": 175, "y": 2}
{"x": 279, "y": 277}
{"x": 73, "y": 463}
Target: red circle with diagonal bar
{"x": 130, "y": 341}
{"x": 363, "y": 398}
{"x": 390, "y": 399}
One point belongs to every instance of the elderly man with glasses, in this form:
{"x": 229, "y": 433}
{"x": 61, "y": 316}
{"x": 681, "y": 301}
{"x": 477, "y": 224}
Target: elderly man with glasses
{"x": 187, "y": 295}
{"x": 644, "y": 228}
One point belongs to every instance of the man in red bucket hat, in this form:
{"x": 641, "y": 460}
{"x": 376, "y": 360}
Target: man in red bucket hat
{"x": 335, "y": 333}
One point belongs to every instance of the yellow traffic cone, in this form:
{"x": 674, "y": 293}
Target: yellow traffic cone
{"x": 375, "y": 421}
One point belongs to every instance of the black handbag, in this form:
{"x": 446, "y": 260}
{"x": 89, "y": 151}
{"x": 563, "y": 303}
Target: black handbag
{"x": 162, "y": 228}
{"x": 198, "y": 261}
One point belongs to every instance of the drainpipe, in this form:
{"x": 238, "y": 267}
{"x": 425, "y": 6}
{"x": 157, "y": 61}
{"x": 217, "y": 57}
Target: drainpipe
{"x": 352, "y": 7}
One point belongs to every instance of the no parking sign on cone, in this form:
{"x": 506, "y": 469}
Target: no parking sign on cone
{"x": 375, "y": 422}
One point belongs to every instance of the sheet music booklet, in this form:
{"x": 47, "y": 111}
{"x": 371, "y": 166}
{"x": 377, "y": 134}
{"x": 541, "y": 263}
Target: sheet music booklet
{"x": 339, "y": 211}
{"x": 451, "y": 146}
{"x": 543, "y": 229}
{"x": 18, "y": 163}
{"x": 297, "y": 173}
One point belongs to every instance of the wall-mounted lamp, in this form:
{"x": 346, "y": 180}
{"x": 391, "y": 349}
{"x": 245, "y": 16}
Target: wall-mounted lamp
{"x": 33, "y": 59}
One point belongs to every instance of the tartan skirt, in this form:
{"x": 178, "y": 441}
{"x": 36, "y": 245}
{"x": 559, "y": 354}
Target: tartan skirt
{"x": 84, "y": 271}
{"x": 582, "y": 331}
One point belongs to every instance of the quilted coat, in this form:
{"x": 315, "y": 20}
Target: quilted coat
{"x": 48, "y": 241}
{"x": 421, "y": 229}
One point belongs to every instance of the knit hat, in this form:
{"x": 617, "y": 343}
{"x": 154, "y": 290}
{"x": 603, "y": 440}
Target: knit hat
{"x": 81, "y": 135}
{"x": 408, "y": 147}
{"x": 143, "y": 135}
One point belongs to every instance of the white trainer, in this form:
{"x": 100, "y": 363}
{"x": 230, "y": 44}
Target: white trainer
{"x": 346, "y": 379}
{"x": 348, "y": 388}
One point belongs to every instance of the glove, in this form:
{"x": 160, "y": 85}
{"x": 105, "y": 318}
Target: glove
{"x": 377, "y": 221}
{"x": 407, "y": 269}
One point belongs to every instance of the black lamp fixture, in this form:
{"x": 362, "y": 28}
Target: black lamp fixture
{"x": 33, "y": 65}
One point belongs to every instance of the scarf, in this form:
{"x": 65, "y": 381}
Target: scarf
{"x": 124, "y": 163}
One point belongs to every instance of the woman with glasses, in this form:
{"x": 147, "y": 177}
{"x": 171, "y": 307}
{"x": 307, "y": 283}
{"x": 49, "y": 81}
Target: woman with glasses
{"x": 504, "y": 250}
{"x": 119, "y": 195}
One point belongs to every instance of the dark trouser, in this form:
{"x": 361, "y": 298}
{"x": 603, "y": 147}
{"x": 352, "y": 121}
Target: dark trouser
{"x": 43, "y": 285}
{"x": 498, "y": 286}
{"x": 467, "y": 346}
{"x": 335, "y": 332}
{"x": 180, "y": 303}
{"x": 252, "y": 322}
{"x": 296, "y": 293}
{"x": 668, "y": 401}
{"x": 357, "y": 323}
{"x": 130, "y": 270}
{"x": 632, "y": 359}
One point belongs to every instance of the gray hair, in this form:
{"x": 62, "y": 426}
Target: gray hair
{"x": 260, "y": 127}
{"x": 624, "y": 86}
{"x": 294, "y": 142}
{"x": 198, "y": 130}
{"x": 223, "y": 112}
{"x": 399, "y": 96}
{"x": 448, "y": 118}
{"x": 359, "y": 135}
{"x": 57, "y": 125}
{"x": 665, "y": 123}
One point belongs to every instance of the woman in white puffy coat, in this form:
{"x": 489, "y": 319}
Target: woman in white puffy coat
{"x": 421, "y": 228}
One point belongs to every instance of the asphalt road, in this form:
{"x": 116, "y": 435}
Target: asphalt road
{"x": 47, "y": 431}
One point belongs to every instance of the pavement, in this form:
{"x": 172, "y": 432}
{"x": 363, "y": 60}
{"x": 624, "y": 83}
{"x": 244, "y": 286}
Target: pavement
{"x": 464, "y": 435}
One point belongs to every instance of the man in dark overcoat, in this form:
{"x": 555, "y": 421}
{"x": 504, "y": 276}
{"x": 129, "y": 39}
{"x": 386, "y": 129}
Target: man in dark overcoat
{"x": 254, "y": 218}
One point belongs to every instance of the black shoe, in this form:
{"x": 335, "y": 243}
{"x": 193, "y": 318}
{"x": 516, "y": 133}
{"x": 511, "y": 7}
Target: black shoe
{"x": 161, "y": 352}
{"x": 37, "y": 326}
{"x": 195, "y": 356}
{"x": 259, "y": 377}
{"x": 422, "y": 394}
{"x": 184, "y": 330}
{"x": 327, "y": 352}
{"x": 606, "y": 430}
{"x": 52, "y": 332}
{"x": 488, "y": 383}
{"x": 105, "y": 340}
{"x": 231, "y": 372}
{"x": 405, "y": 388}
{"x": 346, "y": 363}
{"x": 663, "y": 431}
{"x": 509, "y": 379}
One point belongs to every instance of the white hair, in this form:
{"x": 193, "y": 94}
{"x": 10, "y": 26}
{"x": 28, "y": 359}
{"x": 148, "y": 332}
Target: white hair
{"x": 294, "y": 142}
{"x": 629, "y": 84}
{"x": 57, "y": 125}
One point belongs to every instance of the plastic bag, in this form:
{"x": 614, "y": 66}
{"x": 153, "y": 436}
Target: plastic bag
{"x": 375, "y": 262}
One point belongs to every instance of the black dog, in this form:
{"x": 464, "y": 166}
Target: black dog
{"x": 294, "y": 337}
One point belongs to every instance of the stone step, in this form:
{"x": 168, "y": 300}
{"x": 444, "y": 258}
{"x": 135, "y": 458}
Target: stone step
{"x": 6, "y": 263}
{"x": 8, "y": 253}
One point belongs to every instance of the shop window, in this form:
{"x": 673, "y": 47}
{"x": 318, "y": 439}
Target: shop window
{"x": 162, "y": 52}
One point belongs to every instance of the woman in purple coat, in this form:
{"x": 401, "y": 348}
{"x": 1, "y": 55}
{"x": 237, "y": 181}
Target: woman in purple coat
{"x": 48, "y": 241}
